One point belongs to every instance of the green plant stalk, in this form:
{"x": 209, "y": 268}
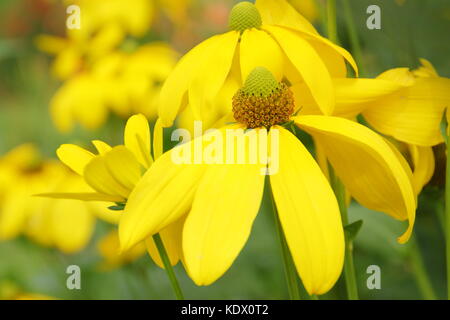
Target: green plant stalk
{"x": 349, "y": 266}
{"x": 447, "y": 215}
{"x": 331, "y": 21}
{"x": 168, "y": 267}
{"x": 420, "y": 273}
{"x": 289, "y": 268}
{"x": 353, "y": 35}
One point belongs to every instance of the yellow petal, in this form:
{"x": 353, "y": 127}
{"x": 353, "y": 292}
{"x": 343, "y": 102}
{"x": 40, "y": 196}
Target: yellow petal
{"x": 101, "y": 146}
{"x": 258, "y": 49}
{"x": 172, "y": 96}
{"x": 171, "y": 238}
{"x": 308, "y": 64}
{"x": 75, "y": 157}
{"x": 72, "y": 225}
{"x": 115, "y": 173}
{"x": 123, "y": 166}
{"x": 211, "y": 72}
{"x": 221, "y": 219}
{"x": 414, "y": 114}
{"x": 13, "y": 213}
{"x": 366, "y": 164}
{"x": 309, "y": 215}
{"x": 280, "y": 12}
{"x": 137, "y": 139}
{"x": 85, "y": 196}
{"x": 423, "y": 163}
{"x": 161, "y": 197}
{"x": 158, "y": 139}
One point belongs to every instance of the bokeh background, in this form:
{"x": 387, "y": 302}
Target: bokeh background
{"x": 411, "y": 29}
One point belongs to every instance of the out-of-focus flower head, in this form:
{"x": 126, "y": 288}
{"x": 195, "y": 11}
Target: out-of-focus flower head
{"x": 123, "y": 82}
{"x": 64, "y": 224}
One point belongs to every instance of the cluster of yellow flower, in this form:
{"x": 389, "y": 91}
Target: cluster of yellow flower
{"x": 272, "y": 64}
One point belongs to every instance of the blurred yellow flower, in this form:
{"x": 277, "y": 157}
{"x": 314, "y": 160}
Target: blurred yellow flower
{"x": 47, "y": 222}
{"x": 269, "y": 34}
{"x": 221, "y": 200}
{"x": 120, "y": 82}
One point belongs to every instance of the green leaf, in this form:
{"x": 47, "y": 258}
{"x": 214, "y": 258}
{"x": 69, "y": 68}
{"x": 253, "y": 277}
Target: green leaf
{"x": 117, "y": 207}
{"x": 351, "y": 230}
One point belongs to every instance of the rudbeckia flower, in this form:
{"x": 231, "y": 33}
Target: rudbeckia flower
{"x": 120, "y": 82}
{"x": 406, "y": 106}
{"x": 113, "y": 173}
{"x": 269, "y": 34}
{"x": 219, "y": 200}
{"x": 64, "y": 224}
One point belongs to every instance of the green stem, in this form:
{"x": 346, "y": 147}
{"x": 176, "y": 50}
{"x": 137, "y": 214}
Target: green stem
{"x": 289, "y": 267}
{"x": 349, "y": 266}
{"x": 447, "y": 215}
{"x": 353, "y": 35}
{"x": 331, "y": 21}
{"x": 420, "y": 273}
{"x": 168, "y": 266}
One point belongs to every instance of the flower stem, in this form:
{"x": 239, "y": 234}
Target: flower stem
{"x": 353, "y": 34}
{"x": 331, "y": 21}
{"x": 168, "y": 266}
{"x": 420, "y": 273}
{"x": 447, "y": 214}
{"x": 289, "y": 267}
{"x": 349, "y": 266}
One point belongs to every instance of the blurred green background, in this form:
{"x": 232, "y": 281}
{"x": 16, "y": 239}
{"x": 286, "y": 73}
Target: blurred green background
{"x": 410, "y": 29}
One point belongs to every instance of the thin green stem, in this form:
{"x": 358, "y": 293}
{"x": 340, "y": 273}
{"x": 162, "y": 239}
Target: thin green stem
{"x": 447, "y": 215}
{"x": 353, "y": 35}
{"x": 331, "y": 21}
{"x": 349, "y": 266}
{"x": 289, "y": 267}
{"x": 168, "y": 266}
{"x": 420, "y": 273}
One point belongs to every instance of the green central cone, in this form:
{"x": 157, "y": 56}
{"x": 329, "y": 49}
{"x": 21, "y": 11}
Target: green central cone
{"x": 244, "y": 16}
{"x": 260, "y": 82}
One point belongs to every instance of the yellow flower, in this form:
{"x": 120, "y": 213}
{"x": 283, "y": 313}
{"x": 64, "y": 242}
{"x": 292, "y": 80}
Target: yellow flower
{"x": 47, "y": 222}
{"x": 104, "y": 24}
{"x": 402, "y": 104}
{"x": 124, "y": 83}
{"x": 113, "y": 173}
{"x": 269, "y": 34}
{"x": 221, "y": 199}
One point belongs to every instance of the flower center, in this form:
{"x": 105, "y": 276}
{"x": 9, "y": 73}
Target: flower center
{"x": 243, "y": 16}
{"x": 263, "y": 101}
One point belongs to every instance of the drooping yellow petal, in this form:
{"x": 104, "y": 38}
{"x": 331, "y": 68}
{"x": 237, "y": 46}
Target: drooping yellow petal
{"x": 102, "y": 147}
{"x": 173, "y": 92}
{"x": 171, "y": 238}
{"x": 258, "y": 49}
{"x": 84, "y": 196}
{"x": 72, "y": 225}
{"x": 309, "y": 215}
{"x": 75, "y": 157}
{"x": 221, "y": 219}
{"x": 211, "y": 72}
{"x": 137, "y": 139}
{"x": 366, "y": 164}
{"x": 161, "y": 197}
{"x": 308, "y": 64}
{"x": 352, "y": 95}
{"x": 280, "y": 12}
{"x": 423, "y": 162}
{"x": 414, "y": 114}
